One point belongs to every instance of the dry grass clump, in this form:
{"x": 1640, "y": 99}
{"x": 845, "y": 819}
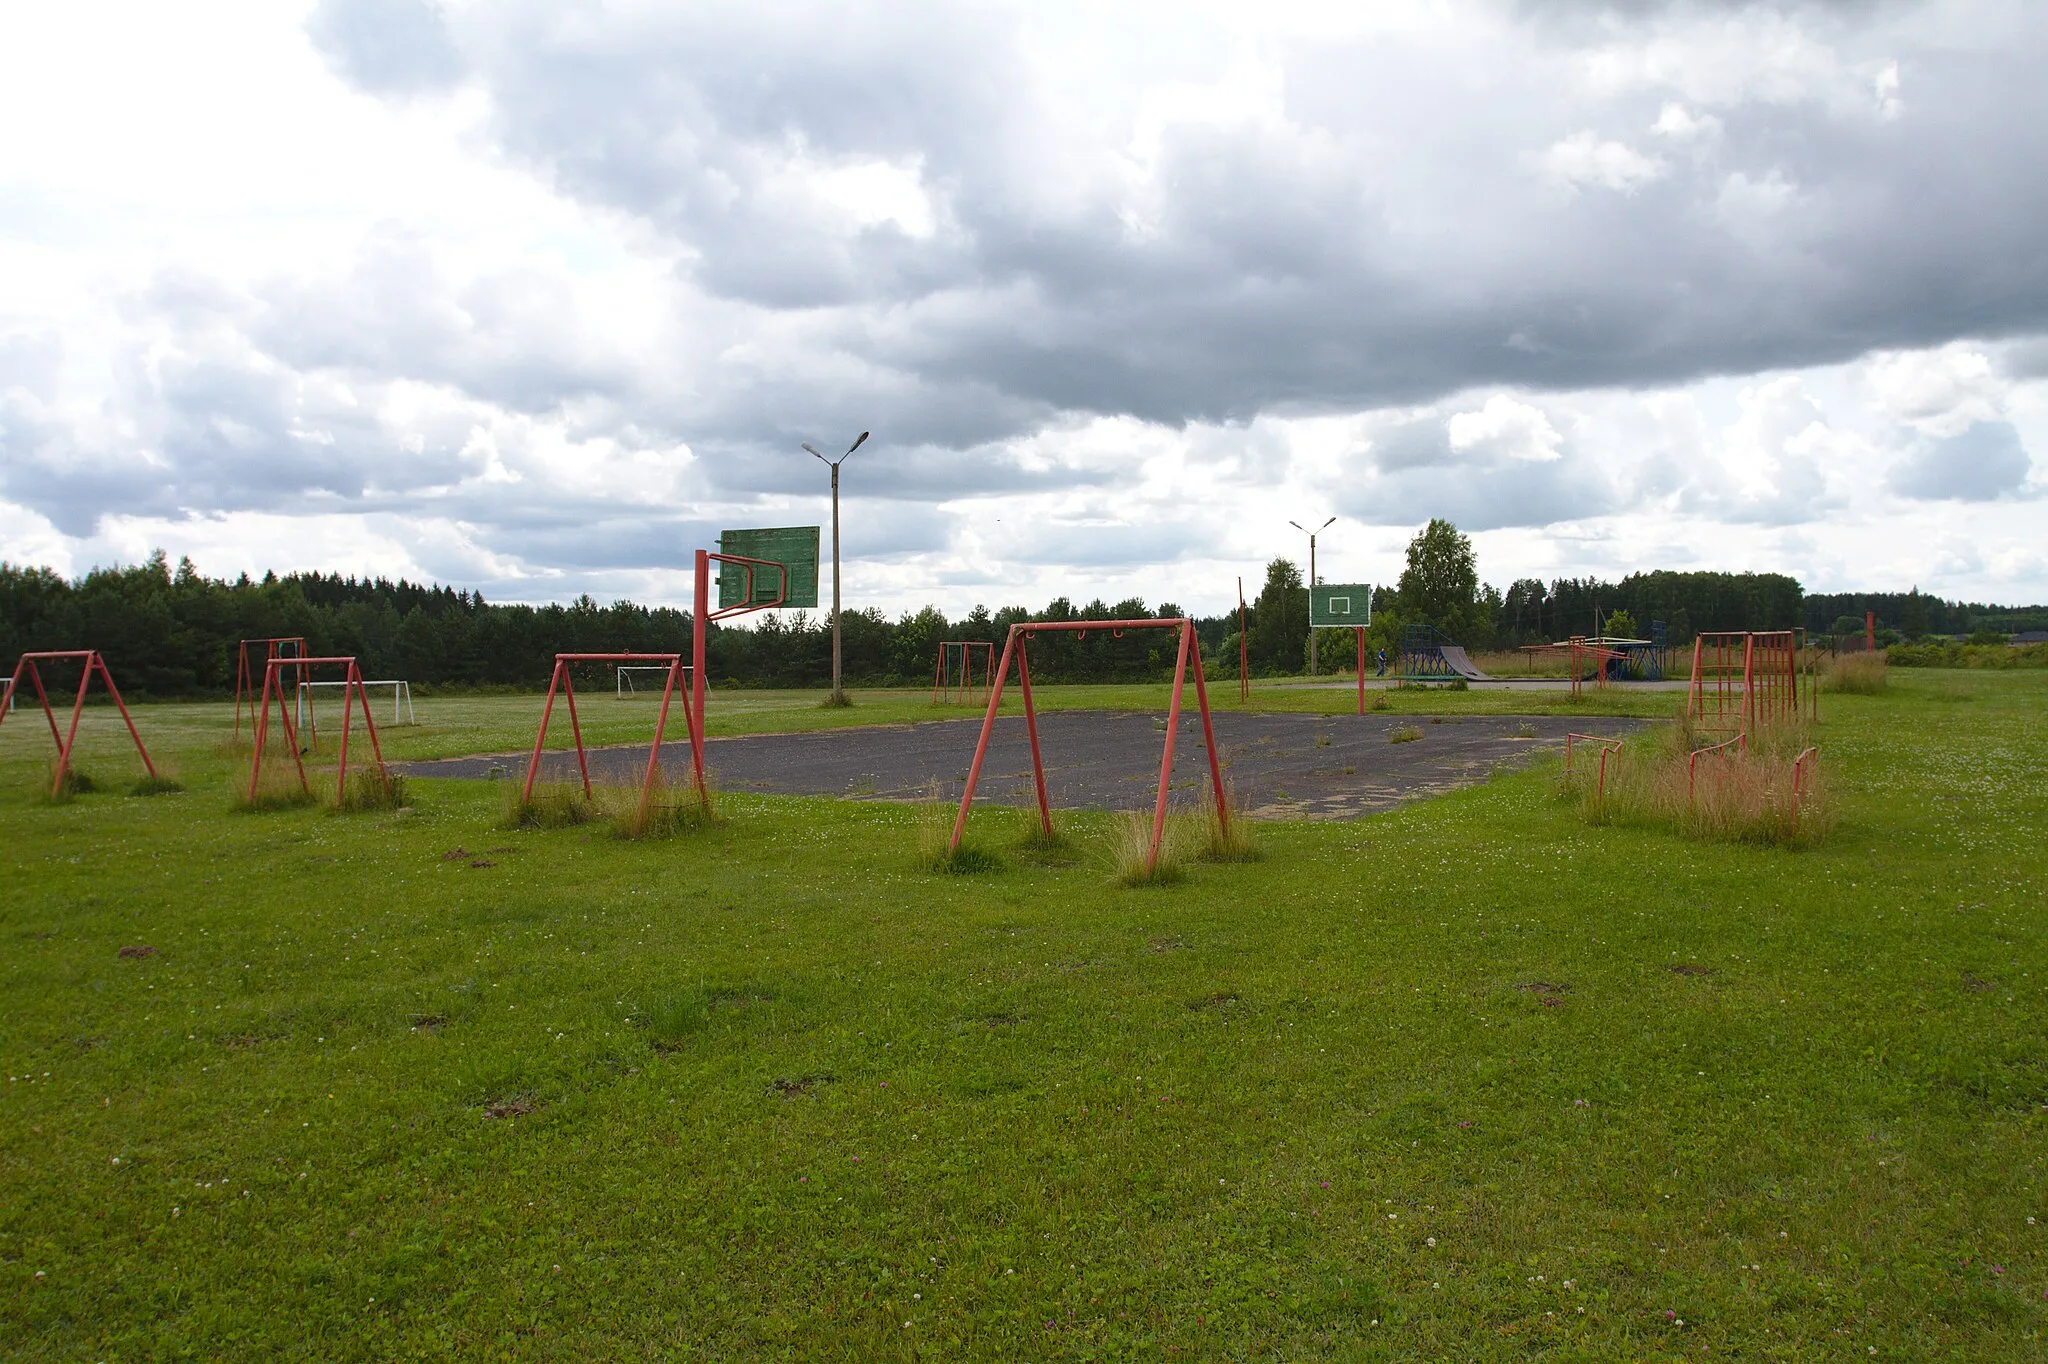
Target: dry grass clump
{"x": 1235, "y": 841}
{"x": 935, "y": 838}
{"x": 1130, "y": 850}
{"x": 1860, "y": 674}
{"x": 1733, "y": 794}
{"x": 76, "y": 782}
{"x": 372, "y": 788}
{"x": 1406, "y": 734}
{"x": 671, "y": 808}
{"x": 553, "y": 805}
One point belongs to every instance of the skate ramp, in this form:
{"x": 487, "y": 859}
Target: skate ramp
{"x": 1456, "y": 660}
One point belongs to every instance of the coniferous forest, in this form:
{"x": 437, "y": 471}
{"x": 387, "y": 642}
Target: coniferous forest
{"x": 171, "y": 632}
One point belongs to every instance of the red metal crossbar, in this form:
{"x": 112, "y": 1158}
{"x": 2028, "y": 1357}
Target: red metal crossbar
{"x": 1692, "y": 766}
{"x": 352, "y": 678}
{"x": 1608, "y": 745}
{"x": 560, "y": 681}
{"x": 1016, "y": 647}
{"x": 66, "y": 741}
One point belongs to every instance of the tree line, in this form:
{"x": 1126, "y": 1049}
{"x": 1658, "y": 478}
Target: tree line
{"x": 173, "y": 632}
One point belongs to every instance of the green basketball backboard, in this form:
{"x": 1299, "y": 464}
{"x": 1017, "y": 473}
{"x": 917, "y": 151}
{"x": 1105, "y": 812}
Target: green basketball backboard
{"x": 1331, "y": 605}
{"x": 794, "y": 547}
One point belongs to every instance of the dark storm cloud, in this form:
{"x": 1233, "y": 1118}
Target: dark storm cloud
{"x": 1276, "y": 271}
{"x": 1983, "y": 463}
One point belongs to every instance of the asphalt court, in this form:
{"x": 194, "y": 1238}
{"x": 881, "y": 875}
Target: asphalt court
{"x": 1280, "y": 766}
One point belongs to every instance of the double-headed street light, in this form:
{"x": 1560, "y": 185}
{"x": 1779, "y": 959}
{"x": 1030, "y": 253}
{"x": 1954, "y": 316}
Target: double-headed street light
{"x": 838, "y": 697}
{"x": 1311, "y": 534}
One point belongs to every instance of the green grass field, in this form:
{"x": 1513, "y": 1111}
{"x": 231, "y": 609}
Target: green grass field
{"x": 1471, "y": 1080}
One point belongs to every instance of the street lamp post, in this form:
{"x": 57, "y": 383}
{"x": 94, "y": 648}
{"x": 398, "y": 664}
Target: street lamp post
{"x": 838, "y": 697}
{"x": 1311, "y": 534}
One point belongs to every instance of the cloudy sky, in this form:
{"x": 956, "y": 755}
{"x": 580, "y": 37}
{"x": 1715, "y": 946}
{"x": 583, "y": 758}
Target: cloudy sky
{"x": 536, "y": 295}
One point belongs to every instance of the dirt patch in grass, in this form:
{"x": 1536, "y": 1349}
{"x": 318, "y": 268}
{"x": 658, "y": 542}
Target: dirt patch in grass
{"x": 1688, "y": 969}
{"x": 1220, "y": 999}
{"x": 518, "y": 1106}
{"x": 797, "y": 1087}
{"x": 137, "y": 951}
{"x": 429, "y": 1023}
{"x": 1170, "y": 943}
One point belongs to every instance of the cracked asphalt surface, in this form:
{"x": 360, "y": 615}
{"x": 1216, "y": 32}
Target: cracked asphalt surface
{"x": 1281, "y": 766}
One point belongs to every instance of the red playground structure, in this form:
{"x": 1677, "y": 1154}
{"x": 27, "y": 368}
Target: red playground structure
{"x": 67, "y": 741}
{"x": 1016, "y": 646}
{"x": 956, "y": 671}
{"x": 248, "y": 679}
{"x": 560, "y": 682}
{"x": 1745, "y": 679}
{"x": 273, "y": 684}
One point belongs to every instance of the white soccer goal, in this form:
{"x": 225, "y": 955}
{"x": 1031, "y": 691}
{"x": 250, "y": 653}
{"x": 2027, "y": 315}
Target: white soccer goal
{"x": 401, "y": 699}
{"x": 654, "y": 676}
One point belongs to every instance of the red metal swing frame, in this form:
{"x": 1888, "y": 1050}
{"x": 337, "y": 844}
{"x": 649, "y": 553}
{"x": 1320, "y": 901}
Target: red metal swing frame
{"x": 942, "y": 679}
{"x": 246, "y": 681}
{"x": 560, "y": 682}
{"x": 1016, "y": 646}
{"x": 352, "y": 677}
{"x": 694, "y": 694}
{"x": 68, "y": 740}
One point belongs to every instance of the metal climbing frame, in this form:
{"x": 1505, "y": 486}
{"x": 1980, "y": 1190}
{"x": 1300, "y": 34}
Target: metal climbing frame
{"x": 273, "y": 683}
{"x": 957, "y": 656}
{"x": 1017, "y": 647}
{"x": 1746, "y": 679}
{"x": 1422, "y": 655}
{"x": 94, "y": 661}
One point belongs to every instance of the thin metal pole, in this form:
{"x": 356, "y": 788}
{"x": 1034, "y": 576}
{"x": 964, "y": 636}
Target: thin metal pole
{"x": 1209, "y": 740}
{"x": 1311, "y": 596}
{"x": 1244, "y": 671}
{"x": 71, "y": 739}
{"x": 260, "y": 728}
{"x": 576, "y": 729}
{"x": 654, "y": 751}
{"x": 699, "y": 626}
{"x": 838, "y": 692}
{"x": 1180, "y": 678}
{"x": 352, "y": 681}
{"x": 988, "y": 724}
{"x": 533, "y": 763}
{"x": 1360, "y": 632}
{"x": 35, "y": 675}
{"x": 1031, "y": 729}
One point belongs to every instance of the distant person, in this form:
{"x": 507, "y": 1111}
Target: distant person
{"x": 1383, "y": 664}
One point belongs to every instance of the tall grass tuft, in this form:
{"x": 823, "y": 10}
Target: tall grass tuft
{"x": 553, "y": 805}
{"x": 1232, "y": 842}
{"x": 164, "y": 783}
{"x": 77, "y": 782}
{"x": 1130, "y": 850}
{"x": 672, "y": 808}
{"x": 370, "y": 788}
{"x": 1861, "y": 674}
{"x": 1735, "y": 795}
{"x": 935, "y": 839}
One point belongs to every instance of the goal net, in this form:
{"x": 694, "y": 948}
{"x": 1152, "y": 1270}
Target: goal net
{"x": 401, "y": 701}
{"x": 645, "y": 679}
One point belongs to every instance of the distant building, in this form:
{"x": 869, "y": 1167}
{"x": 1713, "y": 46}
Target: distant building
{"x": 2028, "y": 637}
